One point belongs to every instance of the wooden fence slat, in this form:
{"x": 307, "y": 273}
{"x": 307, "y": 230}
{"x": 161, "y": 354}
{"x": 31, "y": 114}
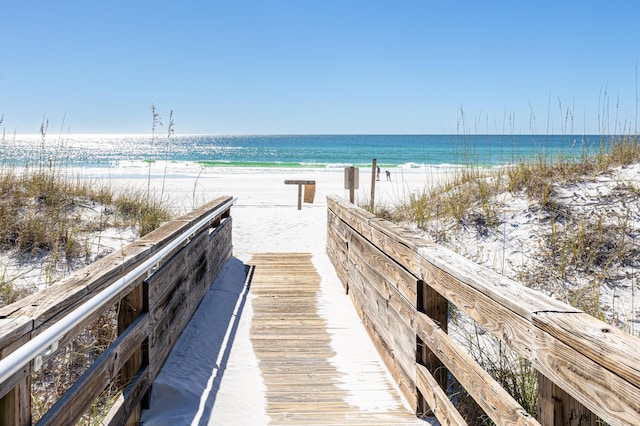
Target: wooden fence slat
{"x": 437, "y": 399}
{"x": 132, "y": 395}
{"x": 616, "y": 401}
{"x": 556, "y": 407}
{"x": 586, "y": 360}
{"x": 376, "y": 312}
{"x": 493, "y": 399}
{"x": 608, "y": 345}
{"x": 30, "y": 316}
{"x": 75, "y": 401}
{"x": 394, "y": 274}
{"x": 170, "y": 276}
{"x": 436, "y": 307}
{"x": 15, "y": 405}
{"x": 14, "y": 329}
{"x": 403, "y": 379}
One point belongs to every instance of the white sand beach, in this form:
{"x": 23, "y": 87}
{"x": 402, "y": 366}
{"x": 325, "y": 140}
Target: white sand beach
{"x": 266, "y": 219}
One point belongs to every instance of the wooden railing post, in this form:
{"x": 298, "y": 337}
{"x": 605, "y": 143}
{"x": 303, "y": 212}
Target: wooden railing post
{"x": 15, "y": 406}
{"x": 433, "y": 304}
{"x": 556, "y": 407}
{"x": 131, "y": 306}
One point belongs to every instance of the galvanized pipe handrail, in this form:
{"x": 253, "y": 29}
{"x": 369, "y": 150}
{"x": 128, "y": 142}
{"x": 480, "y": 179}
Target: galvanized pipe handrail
{"x": 48, "y": 339}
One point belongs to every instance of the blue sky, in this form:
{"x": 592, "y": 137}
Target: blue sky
{"x": 304, "y": 66}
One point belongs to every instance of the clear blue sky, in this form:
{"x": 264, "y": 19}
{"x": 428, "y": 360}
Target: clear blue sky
{"x": 304, "y": 66}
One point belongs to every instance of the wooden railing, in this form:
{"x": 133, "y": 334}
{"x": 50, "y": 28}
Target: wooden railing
{"x": 402, "y": 286}
{"x": 153, "y": 307}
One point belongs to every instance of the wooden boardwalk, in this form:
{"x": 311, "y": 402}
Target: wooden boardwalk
{"x": 292, "y": 342}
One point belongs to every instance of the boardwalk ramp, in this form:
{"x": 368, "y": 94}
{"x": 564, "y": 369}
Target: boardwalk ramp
{"x": 295, "y": 352}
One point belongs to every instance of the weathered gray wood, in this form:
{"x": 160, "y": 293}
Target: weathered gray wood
{"x": 175, "y": 309}
{"x": 76, "y": 400}
{"x": 220, "y": 248}
{"x": 386, "y": 311}
{"x": 32, "y": 315}
{"x": 17, "y": 334}
{"x": 132, "y": 306}
{"x": 15, "y": 405}
{"x": 609, "y": 346}
{"x": 436, "y": 398}
{"x": 613, "y": 399}
{"x": 12, "y": 330}
{"x": 292, "y": 342}
{"x": 300, "y": 183}
{"x": 587, "y": 359}
{"x": 494, "y": 400}
{"x": 436, "y": 307}
{"x": 131, "y": 396}
{"x": 394, "y": 274}
{"x": 404, "y": 381}
{"x": 556, "y": 407}
{"x": 163, "y": 283}
{"x": 376, "y": 312}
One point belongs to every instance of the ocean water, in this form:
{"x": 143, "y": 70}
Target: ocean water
{"x": 293, "y": 151}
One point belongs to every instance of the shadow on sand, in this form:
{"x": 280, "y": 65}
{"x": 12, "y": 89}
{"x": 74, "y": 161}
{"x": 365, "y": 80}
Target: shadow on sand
{"x": 185, "y": 390}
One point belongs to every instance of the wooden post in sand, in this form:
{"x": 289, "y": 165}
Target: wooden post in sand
{"x": 300, "y": 183}
{"x": 373, "y": 183}
{"x": 352, "y": 183}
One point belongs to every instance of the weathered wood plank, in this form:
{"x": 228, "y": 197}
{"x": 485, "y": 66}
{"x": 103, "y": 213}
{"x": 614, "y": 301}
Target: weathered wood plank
{"x": 17, "y": 332}
{"x": 508, "y": 293}
{"x": 556, "y": 407}
{"x": 132, "y": 395}
{"x": 607, "y": 345}
{"x": 12, "y": 330}
{"x": 594, "y": 363}
{"x": 376, "y": 312}
{"x": 172, "y": 274}
{"x": 494, "y": 400}
{"x": 30, "y": 316}
{"x": 616, "y": 401}
{"x": 15, "y": 405}
{"x": 404, "y": 380}
{"x": 415, "y": 256}
{"x": 436, "y": 398}
{"x": 394, "y": 275}
{"x": 75, "y": 401}
{"x": 291, "y": 341}
{"x": 436, "y": 307}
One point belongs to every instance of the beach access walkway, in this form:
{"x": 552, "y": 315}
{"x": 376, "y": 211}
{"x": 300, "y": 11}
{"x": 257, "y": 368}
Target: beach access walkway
{"x": 293, "y": 343}
{"x": 295, "y": 352}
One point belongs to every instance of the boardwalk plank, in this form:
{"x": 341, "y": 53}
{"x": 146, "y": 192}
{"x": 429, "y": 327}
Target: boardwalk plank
{"x": 293, "y": 344}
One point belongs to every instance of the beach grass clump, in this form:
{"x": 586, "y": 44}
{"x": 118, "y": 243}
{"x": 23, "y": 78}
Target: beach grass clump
{"x": 515, "y": 374}
{"x": 581, "y": 219}
{"x": 47, "y": 215}
{"x": 62, "y": 370}
{"x": 41, "y": 211}
{"x": 44, "y": 214}
{"x": 138, "y": 209}
{"x": 466, "y": 200}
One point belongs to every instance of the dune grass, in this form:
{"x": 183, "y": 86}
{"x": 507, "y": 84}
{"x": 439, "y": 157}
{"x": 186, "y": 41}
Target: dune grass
{"x": 48, "y": 213}
{"x": 573, "y": 246}
{"x": 43, "y": 212}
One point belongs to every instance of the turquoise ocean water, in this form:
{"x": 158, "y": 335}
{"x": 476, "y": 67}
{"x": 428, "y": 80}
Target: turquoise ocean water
{"x": 295, "y": 151}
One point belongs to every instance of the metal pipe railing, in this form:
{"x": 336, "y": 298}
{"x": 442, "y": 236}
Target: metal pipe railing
{"x": 47, "y": 342}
